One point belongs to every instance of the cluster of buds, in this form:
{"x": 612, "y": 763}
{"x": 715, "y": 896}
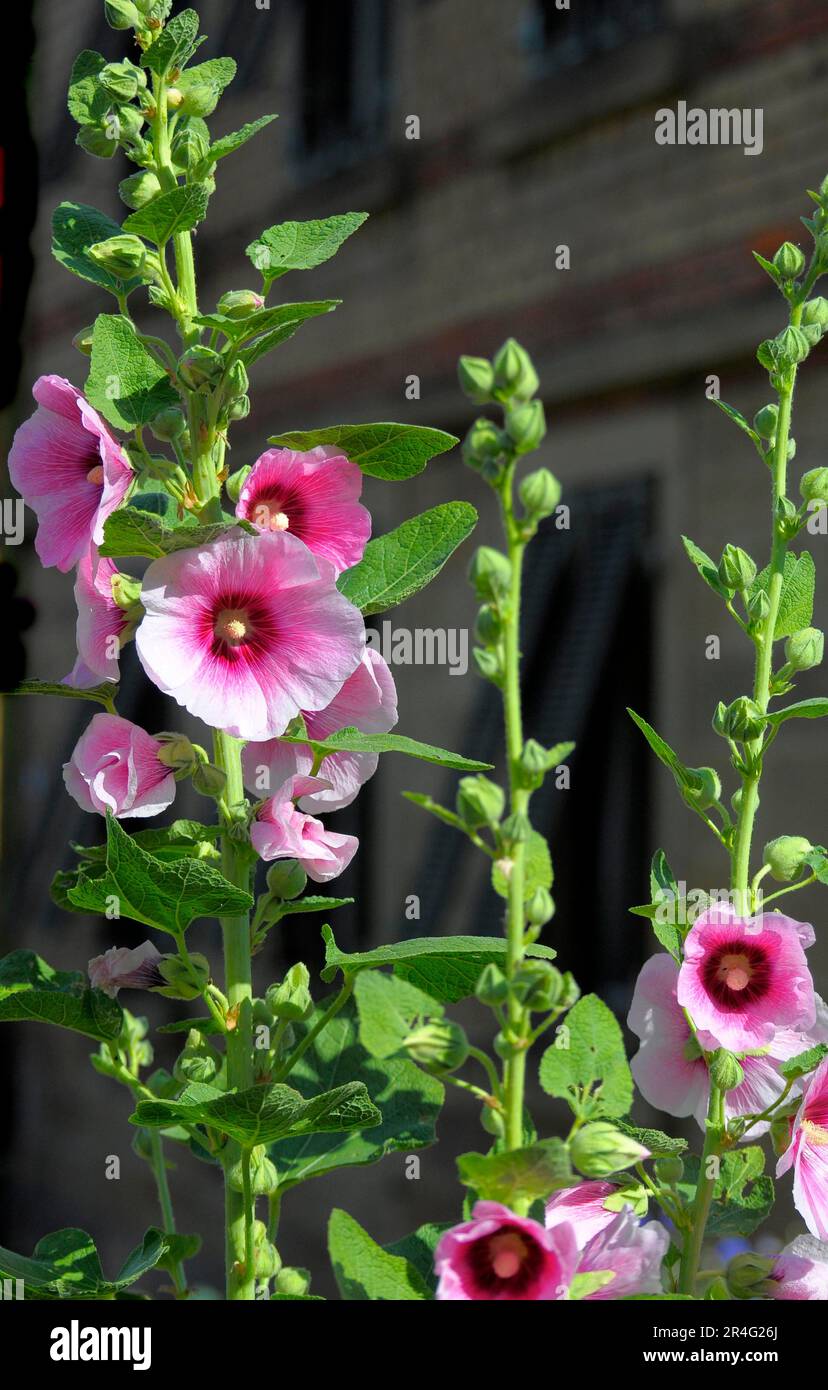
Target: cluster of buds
{"x": 188, "y": 759}
{"x": 509, "y": 380}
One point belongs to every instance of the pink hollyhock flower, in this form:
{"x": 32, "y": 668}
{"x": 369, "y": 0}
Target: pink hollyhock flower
{"x": 368, "y": 702}
{"x": 115, "y": 767}
{"x": 280, "y": 831}
{"x": 799, "y": 1272}
{"x": 120, "y": 968}
{"x": 582, "y": 1207}
{"x": 100, "y": 622}
{"x": 808, "y": 1155}
{"x": 248, "y": 631}
{"x": 314, "y": 496}
{"x": 69, "y": 469}
{"x": 631, "y": 1251}
{"x": 743, "y": 978}
{"x": 499, "y": 1256}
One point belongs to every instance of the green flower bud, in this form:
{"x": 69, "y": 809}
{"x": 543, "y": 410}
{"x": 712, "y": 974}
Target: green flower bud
{"x": 139, "y": 189}
{"x": 177, "y": 751}
{"x": 540, "y": 493}
{"x": 516, "y": 828}
{"x": 492, "y": 1121}
{"x": 786, "y": 517}
{"x": 239, "y": 409}
{"x": 748, "y": 1275}
{"x": 814, "y": 485}
{"x": 540, "y": 908}
{"x": 198, "y": 97}
{"x": 490, "y": 573}
{"x": 439, "y": 1046}
{"x": 83, "y": 340}
{"x": 190, "y": 145}
{"x": 719, "y": 718}
{"x": 236, "y": 482}
{"x": 476, "y": 375}
{"x": 765, "y": 422}
{"x": 201, "y": 368}
{"x": 533, "y": 764}
{"x": 702, "y": 787}
{"x": 526, "y": 426}
{"x": 209, "y": 780}
{"x": 725, "y": 1070}
{"x": 122, "y": 14}
{"x": 789, "y": 261}
{"x": 122, "y": 255}
{"x": 479, "y": 801}
{"x": 514, "y": 373}
{"x": 744, "y": 720}
{"x": 570, "y": 994}
{"x": 264, "y": 1180}
{"x": 483, "y": 444}
{"x": 492, "y": 987}
{"x": 815, "y": 312}
{"x": 122, "y": 80}
{"x": 291, "y": 999}
{"x": 185, "y": 979}
{"x": 758, "y": 607}
{"x": 768, "y": 353}
{"x": 669, "y": 1169}
{"x": 237, "y": 380}
{"x": 169, "y": 423}
{"x": 793, "y": 345}
{"x": 286, "y": 879}
{"x": 488, "y": 665}
{"x": 804, "y": 649}
{"x": 293, "y": 1281}
{"x": 599, "y": 1149}
{"x": 240, "y": 304}
{"x": 786, "y": 856}
{"x": 489, "y": 626}
{"x": 507, "y": 1047}
{"x": 198, "y": 1061}
{"x": 96, "y": 141}
{"x": 128, "y": 121}
{"x": 537, "y": 985}
{"x": 736, "y": 569}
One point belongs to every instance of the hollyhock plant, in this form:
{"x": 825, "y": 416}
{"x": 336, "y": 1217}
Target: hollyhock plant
{"x": 281, "y": 831}
{"x": 247, "y": 632}
{"x": 121, "y": 968}
{"x": 368, "y": 702}
{"x": 498, "y": 1256}
{"x": 807, "y": 1154}
{"x": 314, "y": 496}
{"x": 743, "y": 978}
{"x": 70, "y": 469}
{"x": 102, "y": 623}
{"x": 115, "y": 767}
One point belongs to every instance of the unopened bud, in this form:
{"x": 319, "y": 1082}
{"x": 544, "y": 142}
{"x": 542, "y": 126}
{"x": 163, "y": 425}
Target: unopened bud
{"x": 540, "y": 908}
{"x": 514, "y": 373}
{"x": 726, "y": 1071}
{"x": 236, "y": 482}
{"x": 669, "y": 1169}
{"x": 743, "y": 720}
{"x": 766, "y": 421}
{"x": 701, "y": 787}
{"x": 170, "y": 423}
{"x": 540, "y": 493}
{"x": 291, "y": 1000}
{"x": 139, "y": 189}
{"x": 286, "y": 879}
{"x": 815, "y": 313}
{"x": 488, "y": 628}
{"x": 804, "y": 649}
{"x": 490, "y": 573}
{"x": 240, "y": 304}
{"x": 526, "y": 426}
{"x": 83, "y": 340}
{"x": 439, "y": 1046}
{"x": 199, "y": 1061}
{"x": 209, "y": 780}
{"x": 599, "y": 1149}
{"x": 177, "y": 751}
{"x": 122, "y": 80}
{"x": 789, "y": 261}
{"x": 121, "y": 14}
{"x": 96, "y": 141}
{"x": 483, "y": 444}
{"x": 736, "y": 569}
{"x": 293, "y": 1281}
{"x": 492, "y": 987}
{"x": 786, "y": 856}
{"x": 264, "y": 1179}
{"x": 479, "y": 801}
{"x": 793, "y": 345}
{"x": 814, "y": 485}
{"x": 537, "y": 985}
{"x": 186, "y": 979}
{"x": 123, "y": 255}
{"x": 748, "y": 1275}
{"x": 201, "y": 368}
{"x": 476, "y": 375}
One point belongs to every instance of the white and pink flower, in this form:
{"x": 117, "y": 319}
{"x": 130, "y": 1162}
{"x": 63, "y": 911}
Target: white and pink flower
{"x": 101, "y": 622}
{"x": 120, "y": 968}
{"x": 115, "y": 767}
{"x": 282, "y": 831}
{"x": 314, "y": 496}
{"x": 807, "y": 1154}
{"x": 799, "y": 1272}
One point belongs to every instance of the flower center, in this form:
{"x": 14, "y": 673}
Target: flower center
{"x": 96, "y": 475}
{"x": 815, "y": 1134}
{"x": 507, "y": 1254}
{"x": 270, "y": 518}
{"x": 232, "y": 625}
{"x": 738, "y": 973}
{"x": 735, "y": 971}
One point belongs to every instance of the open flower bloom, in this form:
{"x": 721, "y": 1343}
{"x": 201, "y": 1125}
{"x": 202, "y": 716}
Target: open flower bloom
{"x": 314, "y": 496}
{"x": 582, "y": 1207}
{"x": 808, "y": 1155}
{"x": 69, "y": 469}
{"x": 743, "y": 978}
{"x": 368, "y": 702}
{"x": 281, "y": 831}
{"x": 499, "y": 1256}
{"x": 248, "y": 631}
{"x": 115, "y": 767}
{"x": 100, "y": 622}
{"x": 630, "y": 1250}
{"x": 120, "y": 968}
{"x": 799, "y": 1272}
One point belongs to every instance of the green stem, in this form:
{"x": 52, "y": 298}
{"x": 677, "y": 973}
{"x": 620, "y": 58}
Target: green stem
{"x": 700, "y": 1211}
{"x": 159, "y": 1168}
{"x": 322, "y": 1022}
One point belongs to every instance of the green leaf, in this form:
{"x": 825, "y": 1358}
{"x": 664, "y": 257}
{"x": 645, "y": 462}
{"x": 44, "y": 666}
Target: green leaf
{"x": 215, "y": 75}
{"x": 129, "y": 532}
{"x": 354, "y": 741}
{"x": 165, "y": 895}
{"x": 31, "y": 989}
{"x": 263, "y": 1113}
{"x": 263, "y": 321}
{"x": 796, "y": 604}
{"x": 665, "y": 899}
{"x": 301, "y": 245}
{"x": 364, "y": 1271}
{"x": 65, "y": 1265}
{"x": 387, "y": 1007}
{"x": 86, "y": 99}
{"x": 736, "y": 416}
{"x": 590, "y": 1282}
{"x": 276, "y": 910}
{"x": 408, "y": 1099}
{"x": 662, "y": 750}
{"x": 388, "y": 451}
{"x": 174, "y": 45}
{"x": 177, "y": 211}
{"x": 234, "y": 141}
{"x": 76, "y": 227}
{"x": 742, "y": 1197}
{"x": 419, "y": 1247}
{"x": 804, "y": 1062}
{"x": 125, "y": 383}
{"x": 102, "y": 694}
{"x": 706, "y": 567}
{"x": 403, "y": 561}
{"x": 445, "y": 967}
{"x": 183, "y": 839}
{"x": 521, "y": 1174}
{"x": 587, "y": 1065}
{"x": 538, "y": 868}
{"x": 815, "y": 708}
{"x": 660, "y": 1145}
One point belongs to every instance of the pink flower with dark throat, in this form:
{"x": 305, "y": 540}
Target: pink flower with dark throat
{"x": 582, "y": 1207}
{"x": 100, "y": 622}
{"x": 314, "y": 496}
{"x": 248, "y": 631}
{"x": 69, "y": 469}
{"x": 498, "y": 1256}
{"x": 120, "y": 968}
{"x": 808, "y": 1155}
{"x": 281, "y": 831}
{"x": 115, "y": 767}
{"x": 368, "y": 702}
{"x": 743, "y": 978}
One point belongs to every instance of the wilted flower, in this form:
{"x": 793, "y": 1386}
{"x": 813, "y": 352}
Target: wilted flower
{"x": 121, "y": 968}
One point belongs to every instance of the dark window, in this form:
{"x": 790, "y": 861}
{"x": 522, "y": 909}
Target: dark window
{"x": 343, "y": 79}
{"x": 565, "y": 37}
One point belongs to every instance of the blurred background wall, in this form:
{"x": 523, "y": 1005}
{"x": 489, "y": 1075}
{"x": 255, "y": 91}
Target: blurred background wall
{"x": 534, "y": 130}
